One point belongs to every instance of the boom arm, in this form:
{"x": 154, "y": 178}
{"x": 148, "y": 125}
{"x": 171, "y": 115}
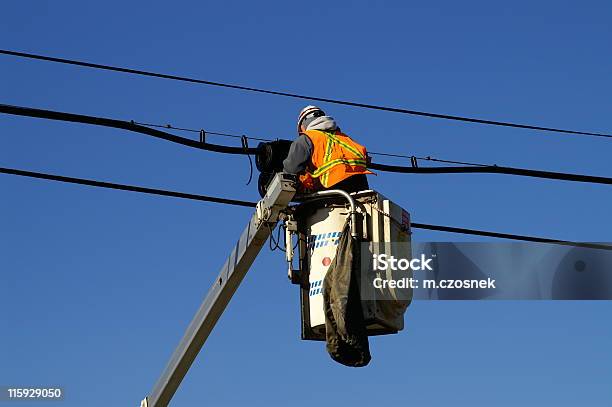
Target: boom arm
{"x": 279, "y": 195}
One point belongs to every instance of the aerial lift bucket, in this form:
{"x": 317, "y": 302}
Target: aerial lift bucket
{"x": 381, "y": 227}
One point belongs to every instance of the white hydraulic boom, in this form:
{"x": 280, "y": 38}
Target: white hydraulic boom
{"x": 268, "y": 211}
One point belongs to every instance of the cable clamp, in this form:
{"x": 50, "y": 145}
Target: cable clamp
{"x": 414, "y": 162}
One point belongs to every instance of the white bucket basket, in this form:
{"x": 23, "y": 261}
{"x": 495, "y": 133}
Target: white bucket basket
{"x": 385, "y": 230}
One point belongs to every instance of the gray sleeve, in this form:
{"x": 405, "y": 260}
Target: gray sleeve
{"x": 299, "y": 155}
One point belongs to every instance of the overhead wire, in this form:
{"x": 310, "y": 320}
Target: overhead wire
{"x": 123, "y": 187}
{"x": 236, "y": 136}
{"x": 475, "y": 120}
{"x": 250, "y": 204}
{"x": 202, "y": 144}
{"x": 475, "y": 232}
{"x": 494, "y": 169}
{"x": 171, "y": 127}
{"x": 485, "y": 168}
{"x": 428, "y": 158}
{"x": 124, "y": 125}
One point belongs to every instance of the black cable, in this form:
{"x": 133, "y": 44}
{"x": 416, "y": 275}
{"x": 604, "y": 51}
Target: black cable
{"x": 121, "y": 124}
{"x": 493, "y": 169}
{"x": 298, "y": 96}
{"x": 278, "y": 239}
{"x": 132, "y": 126}
{"x": 169, "y": 126}
{"x": 236, "y": 202}
{"x": 245, "y": 145}
{"x": 271, "y": 238}
{"x": 428, "y": 158}
{"x": 451, "y": 229}
{"x": 122, "y": 187}
{"x": 273, "y": 243}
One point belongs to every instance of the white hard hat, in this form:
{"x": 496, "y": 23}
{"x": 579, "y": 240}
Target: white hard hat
{"x": 306, "y": 111}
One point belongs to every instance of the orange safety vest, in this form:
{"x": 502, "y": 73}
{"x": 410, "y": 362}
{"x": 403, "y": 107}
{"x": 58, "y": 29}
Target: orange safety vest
{"x": 335, "y": 157}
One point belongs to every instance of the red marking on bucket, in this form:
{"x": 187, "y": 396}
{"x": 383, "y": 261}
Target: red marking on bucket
{"x": 326, "y": 261}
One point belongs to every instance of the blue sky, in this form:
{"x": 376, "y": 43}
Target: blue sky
{"x": 98, "y": 286}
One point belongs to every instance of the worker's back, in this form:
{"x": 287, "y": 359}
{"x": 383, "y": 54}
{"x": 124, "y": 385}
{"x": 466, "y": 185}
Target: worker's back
{"x": 324, "y": 157}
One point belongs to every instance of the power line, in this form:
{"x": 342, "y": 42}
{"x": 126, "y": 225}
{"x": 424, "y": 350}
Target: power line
{"x": 171, "y": 127}
{"x": 122, "y": 124}
{"x": 428, "y": 158}
{"x": 451, "y": 229}
{"x": 226, "y": 201}
{"x": 132, "y": 126}
{"x": 192, "y": 130}
{"x": 480, "y": 168}
{"x": 298, "y": 96}
{"x": 485, "y": 168}
{"x": 236, "y": 136}
{"x": 122, "y": 187}
{"x": 493, "y": 169}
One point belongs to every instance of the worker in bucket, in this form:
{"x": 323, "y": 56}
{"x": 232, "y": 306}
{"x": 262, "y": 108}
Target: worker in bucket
{"x": 324, "y": 157}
